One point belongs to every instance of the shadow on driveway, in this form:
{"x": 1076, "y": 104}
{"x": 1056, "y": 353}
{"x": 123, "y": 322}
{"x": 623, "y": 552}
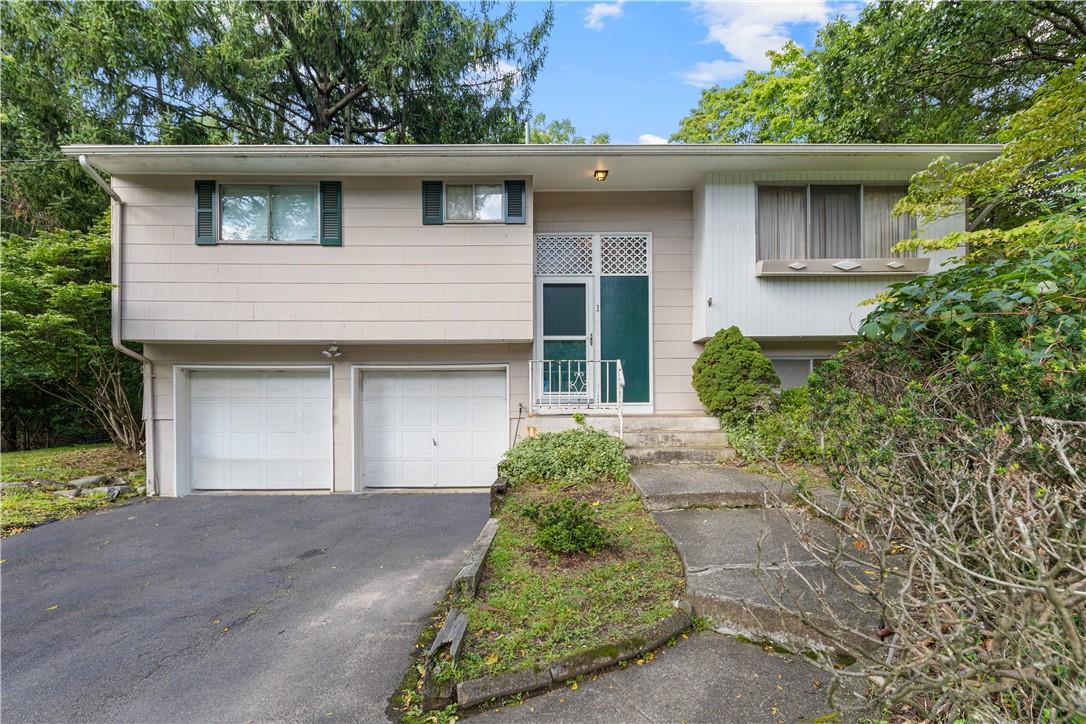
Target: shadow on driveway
{"x": 226, "y": 608}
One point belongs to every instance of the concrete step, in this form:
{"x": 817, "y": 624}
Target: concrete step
{"x": 748, "y": 572}
{"x": 675, "y": 438}
{"x": 631, "y": 423}
{"x": 693, "y": 455}
{"x": 670, "y": 487}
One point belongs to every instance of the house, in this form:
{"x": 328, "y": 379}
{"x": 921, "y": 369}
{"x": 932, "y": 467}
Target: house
{"x": 345, "y": 317}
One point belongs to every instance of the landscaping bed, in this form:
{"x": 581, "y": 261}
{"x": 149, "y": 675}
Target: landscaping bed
{"x": 37, "y": 490}
{"x": 577, "y": 565}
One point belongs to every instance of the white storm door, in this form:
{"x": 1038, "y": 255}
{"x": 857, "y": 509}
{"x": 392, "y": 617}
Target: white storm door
{"x": 443, "y": 428}
{"x": 260, "y": 430}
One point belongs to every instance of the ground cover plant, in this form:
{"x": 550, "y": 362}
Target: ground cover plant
{"x": 538, "y": 601}
{"x": 25, "y": 507}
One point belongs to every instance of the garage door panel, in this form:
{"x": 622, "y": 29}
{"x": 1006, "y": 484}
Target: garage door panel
{"x": 245, "y": 445}
{"x": 452, "y": 444}
{"x": 417, "y": 444}
{"x": 488, "y": 386}
{"x": 417, "y": 386}
{"x": 260, "y": 430}
{"x": 452, "y": 414}
{"x": 466, "y": 412}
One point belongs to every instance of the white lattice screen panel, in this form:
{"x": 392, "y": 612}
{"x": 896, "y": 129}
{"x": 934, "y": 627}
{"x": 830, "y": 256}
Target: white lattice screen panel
{"x": 624, "y": 254}
{"x": 558, "y": 254}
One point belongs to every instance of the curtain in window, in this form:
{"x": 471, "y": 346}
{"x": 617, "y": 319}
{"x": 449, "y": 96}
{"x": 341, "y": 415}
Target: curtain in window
{"x": 293, "y": 213}
{"x": 835, "y": 222}
{"x": 881, "y": 229}
{"x": 782, "y": 222}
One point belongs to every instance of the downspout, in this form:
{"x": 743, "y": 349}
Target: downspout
{"x": 116, "y": 273}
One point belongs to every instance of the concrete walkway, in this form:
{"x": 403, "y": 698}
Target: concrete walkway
{"x": 741, "y": 537}
{"x": 707, "y": 678}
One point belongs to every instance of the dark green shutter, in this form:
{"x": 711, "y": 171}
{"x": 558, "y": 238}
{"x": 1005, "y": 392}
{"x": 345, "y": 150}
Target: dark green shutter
{"x": 331, "y": 213}
{"x": 514, "y": 202}
{"x": 433, "y": 202}
{"x": 205, "y": 212}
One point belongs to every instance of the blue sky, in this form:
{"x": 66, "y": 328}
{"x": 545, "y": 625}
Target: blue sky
{"x": 634, "y": 69}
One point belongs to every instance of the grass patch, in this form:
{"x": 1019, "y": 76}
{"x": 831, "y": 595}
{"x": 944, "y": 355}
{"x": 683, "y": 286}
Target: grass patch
{"x": 534, "y": 607}
{"x": 23, "y": 508}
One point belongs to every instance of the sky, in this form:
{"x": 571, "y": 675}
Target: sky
{"x": 634, "y": 69}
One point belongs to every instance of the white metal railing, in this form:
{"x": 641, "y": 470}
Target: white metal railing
{"x": 567, "y": 386}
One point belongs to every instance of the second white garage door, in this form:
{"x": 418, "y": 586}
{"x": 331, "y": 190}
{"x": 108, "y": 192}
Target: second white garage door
{"x": 433, "y": 428}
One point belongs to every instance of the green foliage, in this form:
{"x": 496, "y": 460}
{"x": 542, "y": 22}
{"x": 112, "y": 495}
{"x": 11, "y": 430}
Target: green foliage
{"x": 560, "y": 131}
{"x": 1015, "y": 324}
{"x": 566, "y": 527}
{"x": 785, "y": 433}
{"x": 248, "y": 72}
{"x": 55, "y": 294}
{"x": 903, "y": 72}
{"x": 571, "y": 458}
{"x": 761, "y": 108}
{"x": 732, "y": 378}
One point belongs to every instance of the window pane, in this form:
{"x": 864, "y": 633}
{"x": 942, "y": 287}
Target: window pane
{"x": 488, "y": 202}
{"x": 294, "y": 213}
{"x": 458, "y": 203}
{"x": 244, "y": 213}
{"x": 564, "y": 310}
{"x": 782, "y": 222}
{"x": 792, "y": 372}
{"x": 835, "y": 222}
{"x": 882, "y": 229}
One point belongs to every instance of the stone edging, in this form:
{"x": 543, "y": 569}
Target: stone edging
{"x": 477, "y": 691}
{"x": 467, "y": 580}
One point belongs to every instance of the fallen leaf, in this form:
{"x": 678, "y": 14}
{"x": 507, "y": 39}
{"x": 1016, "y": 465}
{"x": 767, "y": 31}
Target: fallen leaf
{"x": 573, "y": 686}
{"x": 640, "y": 662}
{"x": 54, "y": 607}
{"x": 491, "y": 660}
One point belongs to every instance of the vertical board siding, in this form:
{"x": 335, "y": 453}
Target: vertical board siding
{"x": 669, "y": 216}
{"x": 781, "y": 307}
{"x": 165, "y": 356}
{"x": 363, "y": 291}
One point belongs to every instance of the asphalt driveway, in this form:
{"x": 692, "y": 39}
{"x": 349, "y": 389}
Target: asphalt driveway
{"x": 226, "y": 608}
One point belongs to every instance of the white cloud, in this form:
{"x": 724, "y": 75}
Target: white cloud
{"x": 746, "y": 30}
{"x": 598, "y": 12}
{"x": 650, "y": 139}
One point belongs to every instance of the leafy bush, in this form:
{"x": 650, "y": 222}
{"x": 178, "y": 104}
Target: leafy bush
{"x": 956, "y": 431}
{"x": 566, "y": 527}
{"x": 571, "y": 458}
{"x": 733, "y": 378}
{"x": 784, "y": 434}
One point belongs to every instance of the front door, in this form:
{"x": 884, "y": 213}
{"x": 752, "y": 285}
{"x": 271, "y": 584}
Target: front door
{"x": 595, "y": 302}
{"x": 567, "y": 339}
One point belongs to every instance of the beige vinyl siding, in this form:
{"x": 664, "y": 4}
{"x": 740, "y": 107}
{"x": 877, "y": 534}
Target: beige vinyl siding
{"x": 393, "y": 280}
{"x": 780, "y": 307}
{"x": 668, "y": 215}
{"x": 165, "y": 356}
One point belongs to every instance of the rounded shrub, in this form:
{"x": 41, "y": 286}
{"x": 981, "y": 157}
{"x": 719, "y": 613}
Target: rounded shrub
{"x": 733, "y": 378}
{"x": 571, "y": 458}
{"x": 566, "y": 527}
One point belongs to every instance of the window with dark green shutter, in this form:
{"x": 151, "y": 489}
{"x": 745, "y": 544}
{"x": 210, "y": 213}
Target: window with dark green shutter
{"x": 433, "y": 202}
{"x": 331, "y": 213}
{"x": 514, "y": 202}
{"x": 205, "y": 212}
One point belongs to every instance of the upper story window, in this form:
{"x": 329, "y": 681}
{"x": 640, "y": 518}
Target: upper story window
{"x": 830, "y": 221}
{"x": 473, "y": 202}
{"x": 492, "y": 202}
{"x": 269, "y": 212}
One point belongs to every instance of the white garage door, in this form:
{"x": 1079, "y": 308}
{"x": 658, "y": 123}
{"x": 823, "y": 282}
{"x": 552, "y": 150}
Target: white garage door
{"x": 433, "y": 429}
{"x": 260, "y": 430}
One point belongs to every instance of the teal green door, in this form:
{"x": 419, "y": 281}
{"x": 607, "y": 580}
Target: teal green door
{"x": 624, "y": 332}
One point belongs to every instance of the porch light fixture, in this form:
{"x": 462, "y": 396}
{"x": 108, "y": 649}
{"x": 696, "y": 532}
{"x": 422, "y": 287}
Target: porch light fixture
{"x": 332, "y": 352}
{"x": 601, "y": 174}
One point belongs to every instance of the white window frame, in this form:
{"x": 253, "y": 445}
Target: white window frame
{"x": 269, "y": 185}
{"x": 473, "y": 185}
{"x": 807, "y": 189}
